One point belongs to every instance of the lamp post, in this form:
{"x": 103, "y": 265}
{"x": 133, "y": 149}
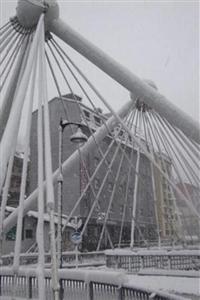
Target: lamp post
{"x": 79, "y": 137}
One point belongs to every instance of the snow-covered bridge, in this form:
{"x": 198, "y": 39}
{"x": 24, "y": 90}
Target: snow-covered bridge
{"x": 142, "y": 187}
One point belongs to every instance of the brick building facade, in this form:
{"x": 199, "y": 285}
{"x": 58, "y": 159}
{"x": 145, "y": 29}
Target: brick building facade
{"x": 75, "y": 181}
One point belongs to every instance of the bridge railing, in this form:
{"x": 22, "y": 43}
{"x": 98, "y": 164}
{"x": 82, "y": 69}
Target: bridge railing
{"x": 68, "y": 258}
{"x": 135, "y": 261}
{"x": 77, "y": 284}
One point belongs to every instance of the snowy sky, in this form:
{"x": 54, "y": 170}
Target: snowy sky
{"x": 158, "y": 40}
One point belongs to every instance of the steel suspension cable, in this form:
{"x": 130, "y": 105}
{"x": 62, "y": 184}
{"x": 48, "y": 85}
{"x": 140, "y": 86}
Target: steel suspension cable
{"x": 127, "y": 187}
{"x": 5, "y": 199}
{"x": 91, "y": 132}
{"x": 58, "y": 89}
{"x": 94, "y": 194}
{"x": 168, "y": 147}
{"x": 195, "y": 144}
{"x": 68, "y": 85}
{"x": 178, "y": 153}
{"x": 60, "y": 51}
{"x": 5, "y": 30}
{"x": 17, "y": 41}
{"x": 12, "y": 87}
{"x": 195, "y": 148}
{"x": 9, "y": 170}
{"x": 86, "y": 94}
{"x": 188, "y": 170}
{"x": 59, "y": 66}
{"x": 111, "y": 110}
{"x": 59, "y": 92}
{"x": 100, "y": 189}
{"x": 95, "y": 203}
{"x": 152, "y": 143}
{"x": 127, "y": 190}
{"x": 153, "y": 140}
{"x": 184, "y": 142}
{"x": 56, "y": 82}
{"x": 5, "y": 26}
{"x": 7, "y": 35}
{"x": 7, "y": 40}
{"x": 10, "y": 64}
{"x": 81, "y": 113}
{"x": 135, "y": 192}
{"x": 155, "y": 200}
{"x": 187, "y": 165}
{"x": 126, "y": 194}
{"x": 88, "y": 185}
{"x": 168, "y": 150}
{"x": 113, "y": 192}
{"x": 180, "y": 180}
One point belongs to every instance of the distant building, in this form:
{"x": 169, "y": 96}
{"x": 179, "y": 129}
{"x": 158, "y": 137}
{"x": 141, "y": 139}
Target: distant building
{"x": 13, "y": 199}
{"x": 14, "y": 189}
{"x": 191, "y": 225}
{"x": 168, "y": 213}
{"x": 75, "y": 181}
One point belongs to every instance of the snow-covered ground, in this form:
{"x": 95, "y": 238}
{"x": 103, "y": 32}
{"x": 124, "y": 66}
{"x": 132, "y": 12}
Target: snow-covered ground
{"x": 180, "y": 285}
{"x": 177, "y": 285}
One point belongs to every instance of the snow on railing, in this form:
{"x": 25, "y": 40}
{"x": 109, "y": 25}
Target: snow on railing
{"x": 76, "y": 284}
{"x": 162, "y": 259}
{"x": 68, "y": 258}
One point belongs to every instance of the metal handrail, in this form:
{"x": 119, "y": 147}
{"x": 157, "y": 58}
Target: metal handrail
{"x": 88, "y": 282}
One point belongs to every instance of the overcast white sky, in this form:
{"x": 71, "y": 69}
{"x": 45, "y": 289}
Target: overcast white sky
{"x": 158, "y": 40}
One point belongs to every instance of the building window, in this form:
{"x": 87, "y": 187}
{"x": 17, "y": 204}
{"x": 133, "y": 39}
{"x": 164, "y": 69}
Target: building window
{"x": 85, "y": 203}
{"x": 167, "y": 232}
{"x": 11, "y": 235}
{"x": 130, "y": 191}
{"x": 96, "y": 161}
{"x": 87, "y": 114}
{"x": 110, "y": 186}
{"x": 121, "y": 209}
{"x": 120, "y": 188}
{"x": 121, "y": 133}
{"x": 29, "y": 234}
{"x": 96, "y": 183}
{"x": 112, "y": 207}
{"x": 97, "y": 121}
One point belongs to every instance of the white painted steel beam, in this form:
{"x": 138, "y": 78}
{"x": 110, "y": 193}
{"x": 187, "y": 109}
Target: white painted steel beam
{"x": 13, "y": 122}
{"x": 9, "y": 95}
{"x": 127, "y": 79}
{"x": 99, "y": 135}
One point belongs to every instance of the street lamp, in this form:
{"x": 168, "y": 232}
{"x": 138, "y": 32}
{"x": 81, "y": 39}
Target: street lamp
{"x": 79, "y": 137}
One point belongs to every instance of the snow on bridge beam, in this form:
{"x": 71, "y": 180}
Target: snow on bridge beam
{"x": 28, "y": 12}
{"x": 127, "y": 79}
